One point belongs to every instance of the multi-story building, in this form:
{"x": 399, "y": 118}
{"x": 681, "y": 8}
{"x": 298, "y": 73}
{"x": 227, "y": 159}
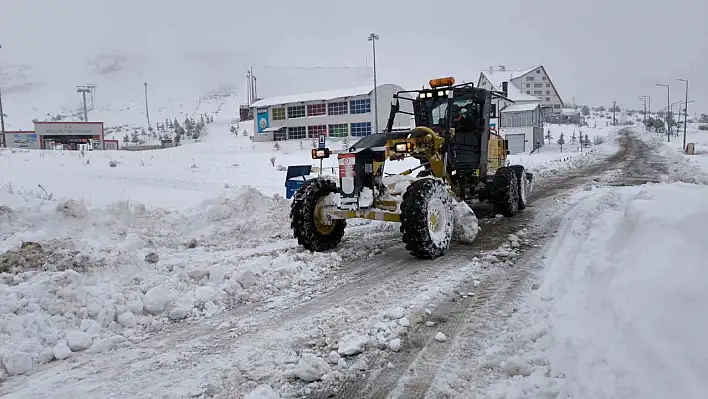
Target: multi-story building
{"x": 533, "y": 81}
{"x": 338, "y": 113}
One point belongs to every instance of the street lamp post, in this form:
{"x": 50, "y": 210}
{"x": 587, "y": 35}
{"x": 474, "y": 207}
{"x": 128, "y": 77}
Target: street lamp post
{"x": 685, "y": 110}
{"x": 644, "y": 101}
{"x": 2, "y": 121}
{"x": 147, "y": 109}
{"x": 668, "y": 109}
{"x": 373, "y": 38}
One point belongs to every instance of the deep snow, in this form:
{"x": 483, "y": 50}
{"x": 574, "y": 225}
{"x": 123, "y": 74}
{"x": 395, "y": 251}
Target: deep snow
{"x": 185, "y": 235}
{"x": 618, "y": 311}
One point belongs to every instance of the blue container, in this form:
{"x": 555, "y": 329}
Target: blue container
{"x": 291, "y": 187}
{"x": 294, "y": 179}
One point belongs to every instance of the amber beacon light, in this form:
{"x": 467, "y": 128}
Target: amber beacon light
{"x": 439, "y": 82}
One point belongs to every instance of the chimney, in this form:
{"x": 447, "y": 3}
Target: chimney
{"x": 505, "y": 89}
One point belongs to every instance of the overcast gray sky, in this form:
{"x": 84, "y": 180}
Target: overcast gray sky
{"x": 595, "y": 51}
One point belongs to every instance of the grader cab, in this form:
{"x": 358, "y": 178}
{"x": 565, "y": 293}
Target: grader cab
{"x": 460, "y": 160}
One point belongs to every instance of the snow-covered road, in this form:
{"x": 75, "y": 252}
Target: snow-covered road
{"x": 250, "y": 310}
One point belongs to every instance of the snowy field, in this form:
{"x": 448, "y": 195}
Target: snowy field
{"x": 177, "y": 236}
{"x": 618, "y": 310}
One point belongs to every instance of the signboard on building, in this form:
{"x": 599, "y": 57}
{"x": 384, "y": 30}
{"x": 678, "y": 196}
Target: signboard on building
{"x": 69, "y": 129}
{"x": 22, "y": 139}
{"x": 262, "y": 119}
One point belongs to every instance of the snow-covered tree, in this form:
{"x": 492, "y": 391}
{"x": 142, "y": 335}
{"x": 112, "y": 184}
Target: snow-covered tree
{"x": 585, "y": 110}
{"x": 549, "y": 136}
{"x": 561, "y": 141}
{"x": 126, "y": 139}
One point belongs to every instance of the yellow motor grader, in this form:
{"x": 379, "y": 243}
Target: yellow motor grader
{"x": 461, "y": 159}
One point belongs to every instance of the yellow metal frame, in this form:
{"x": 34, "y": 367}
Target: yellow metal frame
{"x": 370, "y": 214}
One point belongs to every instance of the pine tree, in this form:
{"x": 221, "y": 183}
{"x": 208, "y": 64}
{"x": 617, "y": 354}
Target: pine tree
{"x": 561, "y": 141}
{"x": 126, "y": 139}
{"x": 135, "y": 138}
{"x": 549, "y": 136}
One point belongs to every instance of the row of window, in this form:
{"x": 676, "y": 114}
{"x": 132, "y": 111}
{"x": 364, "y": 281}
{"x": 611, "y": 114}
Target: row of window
{"x": 531, "y": 78}
{"x": 521, "y": 119}
{"x": 358, "y": 129}
{"x": 361, "y": 106}
{"x": 538, "y": 85}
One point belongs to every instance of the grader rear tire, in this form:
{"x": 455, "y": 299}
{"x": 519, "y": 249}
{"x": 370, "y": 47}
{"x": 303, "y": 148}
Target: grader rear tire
{"x": 306, "y": 218}
{"x": 524, "y": 186}
{"x": 506, "y": 192}
{"x": 427, "y": 218}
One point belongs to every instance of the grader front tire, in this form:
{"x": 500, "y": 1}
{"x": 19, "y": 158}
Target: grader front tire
{"x": 306, "y": 218}
{"x": 427, "y": 218}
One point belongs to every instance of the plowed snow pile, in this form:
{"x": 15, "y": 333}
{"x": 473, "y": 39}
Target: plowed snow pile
{"x": 74, "y": 279}
{"x": 621, "y": 310}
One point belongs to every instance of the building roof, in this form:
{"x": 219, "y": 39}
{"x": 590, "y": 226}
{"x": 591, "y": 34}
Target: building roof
{"x": 521, "y": 107}
{"x": 315, "y": 96}
{"x": 515, "y": 94}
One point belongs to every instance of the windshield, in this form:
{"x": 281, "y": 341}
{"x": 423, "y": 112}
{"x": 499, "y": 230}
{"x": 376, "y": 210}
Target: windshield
{"x": 463, "y": 109}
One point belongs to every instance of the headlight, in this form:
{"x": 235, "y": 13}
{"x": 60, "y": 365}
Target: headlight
{"x": 401, "y": 147}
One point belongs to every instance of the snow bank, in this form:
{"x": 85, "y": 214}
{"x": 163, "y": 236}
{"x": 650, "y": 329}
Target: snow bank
{"x": 76, "y": 279}
{"x": 620, "y": 312}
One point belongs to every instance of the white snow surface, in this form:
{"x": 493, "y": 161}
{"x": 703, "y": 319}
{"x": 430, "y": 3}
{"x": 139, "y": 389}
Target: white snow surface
{"x": 619, "y": 313}
{"x": 176, "y": 237}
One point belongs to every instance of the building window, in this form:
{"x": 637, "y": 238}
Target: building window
{"x": 537, "y": 92}
{"x": 548, "y": 99}
{"x": 538, "y": 71}
{"x": 339, "y": 130}
{"x": 548, "y": 92}
{"x": 556, "y": 105}
{"x": 537, "y": 85}
{"x": 483, "y": 83}
{"x": 548, "y": 85}
{"x": 517, "y": 119}
{"x": 544, "y": 78}
{"x": 528, "y": 92}
{"x": 314, "y": 131}
{"x": 297, "y": 132}
{"x": 297, "y": 111}
{"x": 316, "y": 109}
{"x": 278, "y": 114}
{"x": 528, "y": 85}
{"x": 360, "y": 107}
{"x": 338, "y": 108}
{"x": 530, "y": 78}
{"x": 361, "y": 129}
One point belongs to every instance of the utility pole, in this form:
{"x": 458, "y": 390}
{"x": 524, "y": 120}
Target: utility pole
{"x": 373, "y": 38}
{"x": 685, "y": 117}
{"x": 2, "y": 120}
{"x": 248, "y": 87}
{"x": 614, "y": 109}
{"x": 668, "y": 110}
{"x": 253, "y": 91}
{"x": 147, "y": 110}
{"x": 83, "y": 90}
{"x": 644, "y": 101}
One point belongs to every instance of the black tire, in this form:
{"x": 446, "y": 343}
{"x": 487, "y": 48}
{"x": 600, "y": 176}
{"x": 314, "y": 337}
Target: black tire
{"x": 422, "y": 200}
{"x": 424, "y": 173}
{"x": 506, "y": 192}
{"x": 303, "y": 220}
{"x": 523, "y": 186}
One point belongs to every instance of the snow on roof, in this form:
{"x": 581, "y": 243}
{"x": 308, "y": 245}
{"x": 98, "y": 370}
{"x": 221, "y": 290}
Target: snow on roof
{"x": 515, "y": 94}
{"x": 315, "y": 96}
{"x": 520, "y": 107}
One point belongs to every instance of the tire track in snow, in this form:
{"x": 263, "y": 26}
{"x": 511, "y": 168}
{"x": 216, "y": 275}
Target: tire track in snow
{"x": 417, "y": 365}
